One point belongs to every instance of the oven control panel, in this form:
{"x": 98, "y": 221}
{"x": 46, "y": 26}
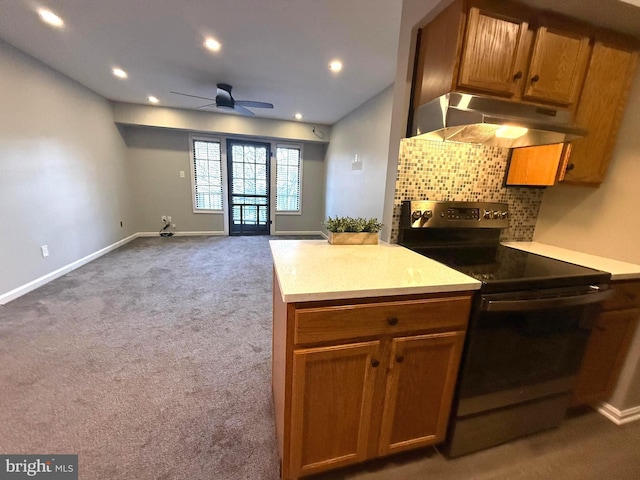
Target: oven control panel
{"x": 440, "y": 214}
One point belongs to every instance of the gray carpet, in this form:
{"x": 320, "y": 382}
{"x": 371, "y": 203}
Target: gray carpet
{"x": 153, "y": 362}
{"x": 150, "y": 362}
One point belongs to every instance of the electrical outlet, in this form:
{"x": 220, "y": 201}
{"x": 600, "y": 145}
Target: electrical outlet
{"x": 169, "y": 218}
{"x": 45, "y": 250}
{"x": 164, "y": 218}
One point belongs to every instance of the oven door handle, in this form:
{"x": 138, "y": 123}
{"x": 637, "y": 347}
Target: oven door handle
{"x": 595, "y": 296}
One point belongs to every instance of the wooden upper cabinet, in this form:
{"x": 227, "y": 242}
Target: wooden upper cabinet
{"x": 493, "y": 53}
{"x": 606, "y": 88}
{"x": 503, "y": 49}
{"x": 557, "y": 67}
{"x": 535, "y": 166}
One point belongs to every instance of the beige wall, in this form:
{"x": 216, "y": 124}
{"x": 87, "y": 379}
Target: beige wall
{"x": 365, "y": 133}
{"x": 158, "y": 155}
{"x": 415, "y": 13}
{"x": 604, "y": 221}
{"x": 63, "y": 172}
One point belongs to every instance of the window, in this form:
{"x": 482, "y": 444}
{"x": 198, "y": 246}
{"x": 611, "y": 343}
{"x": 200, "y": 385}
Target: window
{"x": 207, "y": 175}
{"x": 288, "y": 174}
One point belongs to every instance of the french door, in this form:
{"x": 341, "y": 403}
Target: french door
{"x": 248, "y": 167}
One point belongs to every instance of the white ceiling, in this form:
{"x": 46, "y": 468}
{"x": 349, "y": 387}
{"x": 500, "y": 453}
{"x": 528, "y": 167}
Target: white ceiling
{"x": 274, "y": 51}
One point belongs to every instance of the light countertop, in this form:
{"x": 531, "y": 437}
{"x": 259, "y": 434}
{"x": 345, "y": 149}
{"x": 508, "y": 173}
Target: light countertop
{"x": 309, "y": 270}
{"x": 618, "y": 270}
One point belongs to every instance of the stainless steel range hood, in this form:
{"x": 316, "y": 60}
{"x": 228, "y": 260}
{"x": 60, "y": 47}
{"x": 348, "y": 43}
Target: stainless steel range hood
{"x": 465, "y": 118}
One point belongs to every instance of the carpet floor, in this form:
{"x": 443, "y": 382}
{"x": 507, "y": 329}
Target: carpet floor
{"x": 154, "y": 362}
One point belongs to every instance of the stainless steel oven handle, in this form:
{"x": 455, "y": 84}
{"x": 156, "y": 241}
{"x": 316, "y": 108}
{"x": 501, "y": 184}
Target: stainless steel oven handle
{"x": 489, "y": 305}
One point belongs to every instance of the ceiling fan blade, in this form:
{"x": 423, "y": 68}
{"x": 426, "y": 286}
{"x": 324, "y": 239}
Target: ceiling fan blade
{"x": 243, "y": 111}
{"x": 251, "y": 103}
{"x": 194, "y": 96}
{"x": 207, "y": 105}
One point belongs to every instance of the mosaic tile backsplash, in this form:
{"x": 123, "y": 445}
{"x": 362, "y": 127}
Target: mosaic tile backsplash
{"x": 430, "y": 170}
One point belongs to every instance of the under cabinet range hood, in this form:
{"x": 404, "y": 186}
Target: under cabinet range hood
{"x": 466, "y": 118}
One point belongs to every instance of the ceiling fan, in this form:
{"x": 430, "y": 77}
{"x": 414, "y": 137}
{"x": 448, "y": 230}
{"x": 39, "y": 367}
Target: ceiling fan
{"x": 225, "y": 100}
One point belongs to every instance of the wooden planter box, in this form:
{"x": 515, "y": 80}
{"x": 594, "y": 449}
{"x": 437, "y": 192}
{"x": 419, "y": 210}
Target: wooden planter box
{"x": 349, "y": 238}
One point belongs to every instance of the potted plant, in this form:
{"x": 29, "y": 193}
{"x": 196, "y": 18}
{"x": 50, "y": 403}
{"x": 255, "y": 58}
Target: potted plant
{"x": 352, "y": 231}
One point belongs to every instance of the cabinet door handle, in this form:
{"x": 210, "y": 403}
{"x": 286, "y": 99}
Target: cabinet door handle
{"x": 570, "y": 167}
{"x": 392, "y": 321}
{"x": 518, "y": 75}
{"x": 535, "y": 78}
{"x": 375, "y": 363}
{"x": 399, "y": 359}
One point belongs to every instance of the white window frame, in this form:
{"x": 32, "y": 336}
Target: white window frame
{"x": 223, "y": 172}
{"x": 300, "y": 179}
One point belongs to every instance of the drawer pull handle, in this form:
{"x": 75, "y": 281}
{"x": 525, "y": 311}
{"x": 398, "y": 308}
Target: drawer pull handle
{"x": 399, "y": 359}
{"x": 518, "y": 75}
{"x": 375, "y": 363}
{"x": 392, "y": 321}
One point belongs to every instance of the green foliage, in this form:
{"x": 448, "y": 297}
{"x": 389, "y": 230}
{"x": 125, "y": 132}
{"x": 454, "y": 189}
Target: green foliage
{"x": 348, "y": 224}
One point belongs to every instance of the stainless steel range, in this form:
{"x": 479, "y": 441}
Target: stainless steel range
{"x": 529, "y": 326}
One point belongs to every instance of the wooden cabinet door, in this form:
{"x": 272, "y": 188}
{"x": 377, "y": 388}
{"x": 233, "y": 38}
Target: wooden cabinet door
{"x": 493, "y": 53}
{"x": 332, "y": 393}
{"x": 600, "y": 110}
{"x": 420, "y": 384}
{"x": 606, "y": 351}
{"x": 535, "y": 165}
{"x": 557, "y": 67}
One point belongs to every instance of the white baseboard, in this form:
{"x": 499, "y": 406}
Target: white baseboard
{"x": 182, "y": 234}
{"x": 619, "y": 417}
{"x": 38, "y": 282}
{"x": 299, "y": 232}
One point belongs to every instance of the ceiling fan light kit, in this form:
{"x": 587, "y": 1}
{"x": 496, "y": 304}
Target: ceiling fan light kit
{"x": 225, "y": 101}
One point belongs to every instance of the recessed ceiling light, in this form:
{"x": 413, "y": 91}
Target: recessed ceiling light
{"x": 335, "y": 65}
{"x": 298, "y": 116}
{"x": 212, "y": 44}
{"x": 152, "y": 99}
{"x": 49, "y": 17}
{"x": 118, "y": 72}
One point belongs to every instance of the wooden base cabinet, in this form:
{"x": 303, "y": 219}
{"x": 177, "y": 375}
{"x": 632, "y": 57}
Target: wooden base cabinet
{"x": 331, "y": 405}
{"x": 608, "y": 345}
{"x": 363, "y": 378}
{"x": 421, "y": 378}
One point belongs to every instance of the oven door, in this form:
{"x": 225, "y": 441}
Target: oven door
{"x": 526, "y": 345}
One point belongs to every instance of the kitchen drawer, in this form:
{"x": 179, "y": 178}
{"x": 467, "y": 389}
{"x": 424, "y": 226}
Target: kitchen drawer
{"x": 625, "y": 295}
{"x": 315, "y": 325}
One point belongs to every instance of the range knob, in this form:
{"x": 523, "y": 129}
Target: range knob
{"x": 488, "y": 214}
{"x": 427, "y": 214}
{"x": 416, "y": 214}
{"x": 497, "y": 214}
{"x": 504, "y": 214}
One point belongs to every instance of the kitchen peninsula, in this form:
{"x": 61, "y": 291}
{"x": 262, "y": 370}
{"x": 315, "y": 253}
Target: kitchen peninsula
{"x": 366, "y": 348}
